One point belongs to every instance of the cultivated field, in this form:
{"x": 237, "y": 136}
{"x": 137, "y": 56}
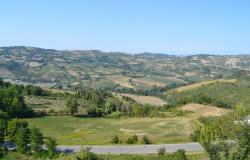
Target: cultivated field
{"x": 124, "y": 81}
{"x": 145, "y": 99}
{"x": 77, "y": 131}
{"x": 196, "y": 85}
{"x": 40, "y": 103}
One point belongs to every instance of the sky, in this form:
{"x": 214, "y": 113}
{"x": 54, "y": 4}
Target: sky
{"x": 133, "y": 26}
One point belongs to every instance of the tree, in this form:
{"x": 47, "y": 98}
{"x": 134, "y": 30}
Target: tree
{"x": 135, "y": 139}
{"x": 36, "y": 139}
{"x": 51, "y": 147}
{"x": 72, "y": 105}
{"x": 115, "y": 140}
{"x": 13, "y": 126}
{"x": 145, "y": 140}
{"x": 215, "y": 134}
{"x": 3, "y": 126}
{"x": 22, "y": 140}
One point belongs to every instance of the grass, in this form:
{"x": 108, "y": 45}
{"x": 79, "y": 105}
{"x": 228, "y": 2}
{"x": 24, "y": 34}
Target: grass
{"x": 191, "y": 156}
{"x": 124, "y": 81}
{"x": 44, "y": 103}
{"x": 92, "y": 131}
{"x": 197, "y": 85}
{"x": 145, "y": 99}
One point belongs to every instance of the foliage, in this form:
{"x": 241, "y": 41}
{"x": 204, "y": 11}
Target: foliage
{"x": 22, "y": 140}
{"x": 115, "y": 140}
{"x": 146, "y": 140}
{"x": 215, "y": 135}
{"x": 180, "y": 155}
{"x": 13, "y": 126}
{"x": 83, "y": 155}
{"x": 72, "y": 105}
{"x": 36, "y": 139}
{"x": 161, "y": 151}
{"x": 51, "y": 147}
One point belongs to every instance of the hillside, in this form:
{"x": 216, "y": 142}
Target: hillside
{"x": 221, "y": 94}
{"x": 111, "y": 70}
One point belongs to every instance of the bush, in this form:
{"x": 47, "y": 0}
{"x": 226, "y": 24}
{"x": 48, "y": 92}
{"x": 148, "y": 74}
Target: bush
{"x": 130, "y": 141}
{"x": 135, "y": 139}
{"x": 146, "y": 140}
{"x": 115, "y": 140}
{"x": 83, "y": 155}
{"x": 94, "y": 111}
{"x": 161, "y": 151}
{"x": 180, "y": 155}
{"x": 116, "y": 114}
{"x": 195, "y": 136}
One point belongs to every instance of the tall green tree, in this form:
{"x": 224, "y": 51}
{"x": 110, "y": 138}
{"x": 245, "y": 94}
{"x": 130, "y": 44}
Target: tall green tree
{"x": 72, "y": 105}
{"x": 36, "y": 139}
{"x": 22, "y": 140}
{"x": 13, "y": 126}
{"x": 51, "y": 147}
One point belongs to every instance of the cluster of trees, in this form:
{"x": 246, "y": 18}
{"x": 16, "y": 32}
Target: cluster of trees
{"x": 154, "y": 91}
{"x": 28, "y": 140}
{"x": 205, "y": 99}
{"x": 225, "y": 138}
{"x": 131, "y": 140}
{"x": 99, "y": 103}
{"x": 12, "y": 102}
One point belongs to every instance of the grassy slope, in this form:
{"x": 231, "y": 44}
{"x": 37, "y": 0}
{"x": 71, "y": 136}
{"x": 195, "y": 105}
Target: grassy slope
{"x": 144, "y": 99}
{"x": 73, "y": 130}
{"x": 235, "y": 93}
{"x": 197, "y": 85}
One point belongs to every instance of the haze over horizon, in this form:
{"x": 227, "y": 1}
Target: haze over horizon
{"x": 172, "y": 27}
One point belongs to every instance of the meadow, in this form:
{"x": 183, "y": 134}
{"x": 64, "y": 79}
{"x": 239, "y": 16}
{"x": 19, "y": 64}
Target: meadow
{"x": 92, "y": 131}
{"x": 151, "y": 100}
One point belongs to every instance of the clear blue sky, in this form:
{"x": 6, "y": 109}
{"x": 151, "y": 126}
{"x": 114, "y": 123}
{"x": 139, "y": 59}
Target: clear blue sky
{"x": 160, "y": 26}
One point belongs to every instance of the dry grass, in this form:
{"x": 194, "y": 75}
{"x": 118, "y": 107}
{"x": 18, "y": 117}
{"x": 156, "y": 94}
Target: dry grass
{"x": 204, "y": 110}
{"x": 40, "y": 103}
{"x": 124, "y": 81}
{"x": 196, "y": 85}
{"x": 149, "y": 82}
{"x": 145, "y": 99}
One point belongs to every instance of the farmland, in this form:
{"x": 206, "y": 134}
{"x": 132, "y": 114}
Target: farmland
{"x": 77, "y": 131}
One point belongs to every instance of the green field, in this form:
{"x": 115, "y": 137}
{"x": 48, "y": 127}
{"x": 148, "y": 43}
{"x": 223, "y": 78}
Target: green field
{"x": 79, "y": 131}
{"x": 73, "y": 130}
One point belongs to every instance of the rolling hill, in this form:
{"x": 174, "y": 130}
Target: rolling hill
{"x": 113, "y": 70}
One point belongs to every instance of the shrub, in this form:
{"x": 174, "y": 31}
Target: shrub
{"x": 161, "y": 151}
{"x": 146, "y": 140}
{"x": 135, "y": 139}
{"x": 115, "y": 140}
{"x": 195, "y": 136}
{"x": 116, "y": 114}
{"x": 180, "y": 155}
{"x": 130, "y": 140}
{"x": 94, "y": 111}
